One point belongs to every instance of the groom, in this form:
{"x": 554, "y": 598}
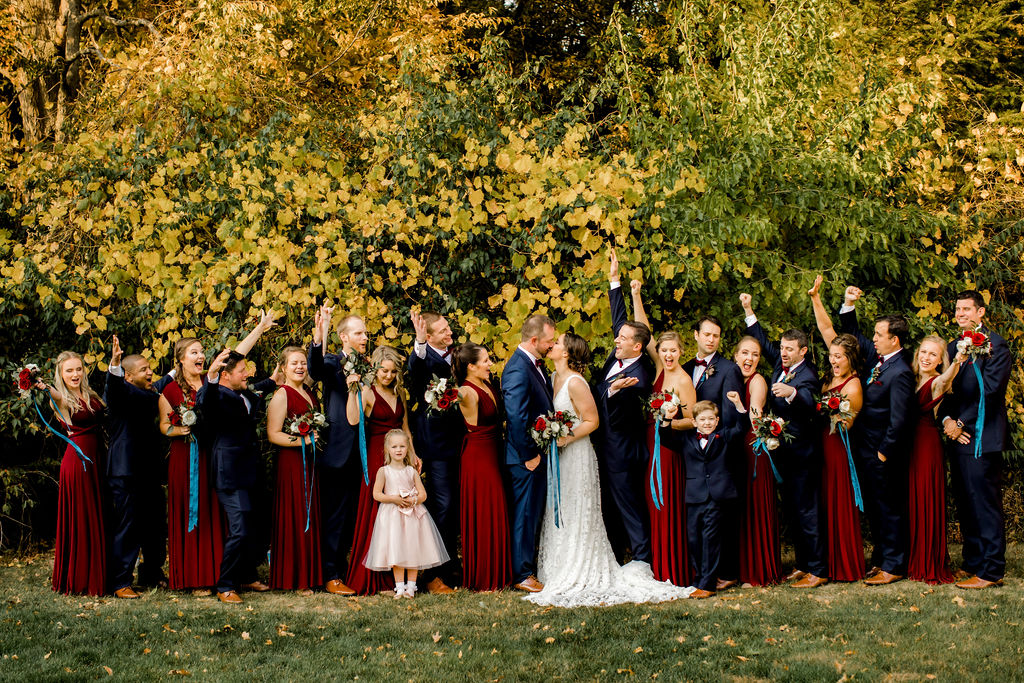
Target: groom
{"x": 526, "y": 388}
{"x": 621, "y": 389}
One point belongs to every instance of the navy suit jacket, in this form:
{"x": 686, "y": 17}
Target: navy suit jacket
{"x": 623, "y": 428}
{"x": 135, "y": 443}
{"x": 725, "y": 377}
{"x": 707, "y": 476}
{"x": 341, "y": 436}
{"x": 801, "y": 415}
{"x": 527, "y": 396}
{"x": 438, "y": 437}
{"x": 231, "y": 429}
{"x": 886, "y": 422}
{"x": 965, "y": 398}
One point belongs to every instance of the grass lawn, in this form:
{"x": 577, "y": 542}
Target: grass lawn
{"x": 907, "y": 632}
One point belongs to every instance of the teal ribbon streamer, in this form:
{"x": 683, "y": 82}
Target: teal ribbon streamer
{"x": 307, "y": 490}
{"x": 845, "y": 437}
{"x": 81, "y": 456}
{"x": 761, "y": 446}
{"x": 193, "y": 482}
{"x": 979, "y": 425}
{"x": 657, "y": 494}
{"x": 555, "y": 484}
{"x": 362, "y": 438}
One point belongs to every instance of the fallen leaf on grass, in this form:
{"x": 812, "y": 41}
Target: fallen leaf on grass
{"x": 179, "y": 672}
{"x": 730, "y": 642}
{"x": 708, "y": 637}
{"x": 245, "y": 635}
{"x": 625, "y": 671}
{"x": 915, "y": 608}
{"x": 742, "y": 658}
{"x": 638, "y": 650}
{"x": 47, "y": 655}
{"x": 549, "y": 639}
{"x": 784, "y": 627}
{"x": 110, "y": 672}
{"x": 436, "y": 636}
{"x": 958, "y": 601}
{"x": 681, "y": 639}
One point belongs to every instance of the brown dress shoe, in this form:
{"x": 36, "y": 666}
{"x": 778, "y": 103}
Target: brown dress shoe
{"x": 230, "y": 597}
{"x": 810, "y": 581}
{"x": 872, "y": 572}
{"x": 725, "y": 583}
{"x": 126, "y": 593}
{"x": 438, "y": 586}
{"x": 976, "y": 582}
{"x": 882, "y": 578}
{"x": 202, "y": 592}
{"x": 255, "y": 586}
{"x": 530, "y": 585}
{"x": 336, "y": 587}
{"x": 701, "y": 594}
{"x": 796, "y": 575}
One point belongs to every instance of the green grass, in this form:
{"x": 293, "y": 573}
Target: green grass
{"x": 907, "y": 632}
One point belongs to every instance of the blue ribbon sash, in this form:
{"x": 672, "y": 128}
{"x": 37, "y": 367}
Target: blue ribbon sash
{"x": 979, "y": 425}
{"x": 555, "y": 484}
{"x": 193, "y": 482}
{"x": 761, "y": 447}
{"x": 857, "y": 498}
{"x": 81, "y": 456}
{"x": 307, "y": 489}
{"x": 657, "y": 494}
{"x": 362, "y": 438}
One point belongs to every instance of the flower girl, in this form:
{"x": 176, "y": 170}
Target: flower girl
{"x": 405, "y": 539}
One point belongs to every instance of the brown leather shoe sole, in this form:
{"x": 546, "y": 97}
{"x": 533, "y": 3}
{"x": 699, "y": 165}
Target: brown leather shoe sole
{"x": 230, "y": 597}
{"x": 976, "y": 582}
{"x": 882, "y": 578}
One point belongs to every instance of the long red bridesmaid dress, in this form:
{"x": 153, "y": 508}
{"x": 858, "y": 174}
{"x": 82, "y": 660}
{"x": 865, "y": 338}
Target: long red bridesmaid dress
{"x": 669, "y": 558}
{"x": 929, "y": 557}
{"x": 842, "y": 519}
{"x": 80, "y": 556}
{"x": 381, "y": 420}
{"x": 193, "y": 557}
{"x": 483, "y": 512}
{"x": 295, "y": 552}
{"x": 760, "y": 554}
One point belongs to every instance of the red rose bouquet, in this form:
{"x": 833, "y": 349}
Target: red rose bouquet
{"x": 974, "y": 344}
{"x": 441, "y": 395}
{"x": 552, "y": 426}
{"x": 27, "y": 379}
{"x": 835, "y": 407}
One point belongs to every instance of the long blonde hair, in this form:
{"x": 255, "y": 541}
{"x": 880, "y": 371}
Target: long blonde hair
{"x": 383, "y": 353}
{"x": 941, "y": 343}
{"x": 72, "y": 402}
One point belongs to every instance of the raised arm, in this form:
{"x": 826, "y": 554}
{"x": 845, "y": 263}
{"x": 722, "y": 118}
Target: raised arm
{"x": 848, "y": 322}
{"x": 265, "y": 323}
{"x": 615, "y": 297}
{"x": 943, "y": 382}
{"x": 769, "y": 348}
{"x": 641, "y": 317}
{"x": 821, "y": 317}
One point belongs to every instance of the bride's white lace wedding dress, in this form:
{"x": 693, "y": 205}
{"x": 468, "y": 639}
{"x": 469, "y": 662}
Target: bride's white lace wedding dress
{"x": 576, "y": 563}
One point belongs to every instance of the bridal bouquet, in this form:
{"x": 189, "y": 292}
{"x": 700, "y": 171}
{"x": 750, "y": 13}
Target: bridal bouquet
{"x": 551, "y": 427}
{"x": 305, "y": 424}
{"x": 27, "y": 379}
{"x": 358, "y": 364}
{"x": 441, "y": 395}
{"x": 835, "y": 407}
{"x": 661, "y": 404}
{"x": 185, "y": 415}
{"x": 769, "y": 431}
{"x": 974, "y": 344}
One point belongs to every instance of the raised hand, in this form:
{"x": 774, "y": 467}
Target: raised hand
{"x": 278, "y": 375}
{"x": 116, "y": 353}
{"x": 266, "y": 320}
{"x": 815, "y": 291}
{"x": 733, "y": 396}
{"x": 852, "y": 294}
{"x": 218, "y": 364}
{"x": 317, "y": 323}
{"x": 613, "y": 265}
{"x": 634, "y": 287}
{"x": 325, "y": 320}
{"x": 419, "y": 326}
{"x": 745, "y": 300}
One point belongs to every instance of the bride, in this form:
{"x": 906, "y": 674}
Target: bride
{"x": 576, "y": 563}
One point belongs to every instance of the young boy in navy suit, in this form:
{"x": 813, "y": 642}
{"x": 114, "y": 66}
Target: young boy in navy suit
{"x": 708, "y": 486}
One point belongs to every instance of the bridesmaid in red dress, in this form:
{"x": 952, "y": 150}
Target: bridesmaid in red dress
{"x": 295, "y": 533}
{"x": 669, "y": 558}
{"x": 79, "y": 560}
{"x": 193, "y": 556}
{"x": 383, "y": 410}
{"x": 486, "y": 553}
{"x": 760, "y": 554}
{"x": 929, "y": 558}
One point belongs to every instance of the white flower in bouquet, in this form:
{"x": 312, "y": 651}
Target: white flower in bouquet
{"x": 772, "y": 443}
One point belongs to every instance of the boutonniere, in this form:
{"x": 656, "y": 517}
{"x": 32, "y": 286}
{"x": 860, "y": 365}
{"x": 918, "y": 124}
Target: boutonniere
{"x": 255, "y": 392}
{"x": 788, "y": 377}
{"x": 876, "y": 372}
{"x": 710, "y": 372}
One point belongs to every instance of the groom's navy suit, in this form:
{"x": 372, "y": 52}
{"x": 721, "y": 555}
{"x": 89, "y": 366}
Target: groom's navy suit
{"x": 527, "y": 393}
{"x": 976, "y": 481}
{"x": 885, "y": 425}
{"x": 799, "y": 460}
{"x": 623, "y": 442}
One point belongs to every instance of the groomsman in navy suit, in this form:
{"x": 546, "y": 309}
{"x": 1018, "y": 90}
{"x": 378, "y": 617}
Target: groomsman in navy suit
{"x": 339, "y": 467}
{"x": 232, "y": 413}
{"x": 438, "y": 440}
{"x": 620, "y": 390}
{"x": 976, "y": 458}
{"x": 792, "y": 386}
{"x": 714, "y": 376}
{"x": 882, "y": 438}
{"x": 134, "y": 459}
{"x": 526, "y": 389}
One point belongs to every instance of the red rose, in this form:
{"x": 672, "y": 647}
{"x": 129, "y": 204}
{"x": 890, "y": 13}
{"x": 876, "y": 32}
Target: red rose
{"x": 978, "y": 338}
{"x": 967, "y": 334}
{"x": 834, "y": 402}
{"x": 443, "y": 403}
{"x": 25, "y": 379}
{"x": 305, "y": 428}
{"x": 540, "y": 425}
{"x": 775, "y": 428}
{"x": 451, "y": 394}
{"x": 175, "y": 418}
{"x": 657, "y": 403}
